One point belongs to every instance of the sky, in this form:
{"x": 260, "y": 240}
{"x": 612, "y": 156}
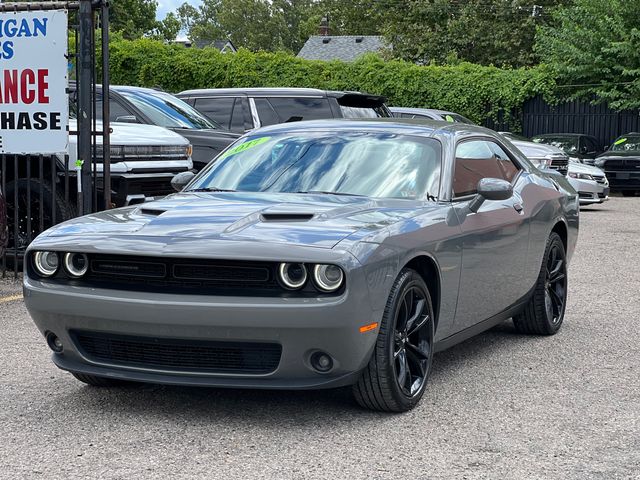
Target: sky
{"x": 166, "y": 6}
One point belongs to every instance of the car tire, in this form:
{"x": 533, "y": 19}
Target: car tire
{"x": 544, "y": 312}
{"x": 96, "y": 381}
{"x": 50, "y": 202}
{"x": 404, "y": 344}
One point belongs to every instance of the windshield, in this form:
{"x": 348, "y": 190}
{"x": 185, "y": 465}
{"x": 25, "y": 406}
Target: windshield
{"x": 368, "y": 164}
{"x": 455, "y": 118}
{"x": 627, "y": 143}
{"x": 168, "y": 111}
{"x": 568, "y": 144}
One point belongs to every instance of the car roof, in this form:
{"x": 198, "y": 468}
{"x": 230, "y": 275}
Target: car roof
{"x": 274, "y": 91}
{"x": 555, "y": 135}
{"x": 424, "y": 127}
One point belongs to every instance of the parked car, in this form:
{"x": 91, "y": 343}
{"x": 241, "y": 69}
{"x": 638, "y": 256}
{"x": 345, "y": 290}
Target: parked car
{"x": 543, "y": 156}
{"x": 576, "y": 145}
{"x": 144, "y": 159}
{"x": 621, "y": 163}
{"x": 429, "y": 114}
{"x": 588, "y": 181}
{"x": 4, "y": 233}
{"x": 155, "y": 107}
{"x": 311, "y": 255}
{"x": 243, "y": 109}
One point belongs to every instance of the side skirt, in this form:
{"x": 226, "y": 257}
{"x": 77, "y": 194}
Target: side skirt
{"x": 480, "y": 327}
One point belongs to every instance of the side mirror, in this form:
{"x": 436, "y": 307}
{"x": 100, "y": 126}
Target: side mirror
{"x": 179, "y": 181}
{"x": 583, "y": 149}
{"x": 491, "y": 189}
{"x": 127, "y": 119}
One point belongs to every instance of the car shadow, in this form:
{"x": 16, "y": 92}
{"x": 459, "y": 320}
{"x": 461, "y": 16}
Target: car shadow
{"x": 291, "y": 407}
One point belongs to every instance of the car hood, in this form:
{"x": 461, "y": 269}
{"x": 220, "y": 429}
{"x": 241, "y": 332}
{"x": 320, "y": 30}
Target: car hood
{"x": 536, "y": 150}
{"x": 295, "y": 219}
{"x": 575, "y": 167}
{"x": 132, "y": 134}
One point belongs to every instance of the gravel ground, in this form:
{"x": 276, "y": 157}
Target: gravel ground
{"x": 498, "y": 406}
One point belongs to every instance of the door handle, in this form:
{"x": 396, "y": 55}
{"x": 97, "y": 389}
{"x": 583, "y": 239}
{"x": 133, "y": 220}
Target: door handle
{"x": 518, "y": 207}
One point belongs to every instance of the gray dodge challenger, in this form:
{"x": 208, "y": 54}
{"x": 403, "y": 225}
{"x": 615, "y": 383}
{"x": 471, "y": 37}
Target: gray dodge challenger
{"x": 311, "y": 255}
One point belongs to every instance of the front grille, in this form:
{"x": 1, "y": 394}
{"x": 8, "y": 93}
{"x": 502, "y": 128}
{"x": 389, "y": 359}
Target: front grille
{"x": 188, "y": 276}
{"x": 599, "y": 179}
{"x": 560, "y": 163}
{"x": 156, "y": 188}
{"x": 179, "y": 355}
{"x": 617, "y": 164}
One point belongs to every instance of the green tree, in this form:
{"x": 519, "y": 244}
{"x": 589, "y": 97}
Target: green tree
{"x": 133, "y": 18}
{"x": 169, "y": 28}
{"x": 488, "y": 32}
{"x": 253, "y": 24}
{"x": 595, "y": 50}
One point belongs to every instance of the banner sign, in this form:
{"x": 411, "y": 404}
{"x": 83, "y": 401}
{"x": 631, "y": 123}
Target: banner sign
{"x": 34, "y": 106}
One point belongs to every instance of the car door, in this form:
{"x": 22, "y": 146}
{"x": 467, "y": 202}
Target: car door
{"x": 495, "y": 238}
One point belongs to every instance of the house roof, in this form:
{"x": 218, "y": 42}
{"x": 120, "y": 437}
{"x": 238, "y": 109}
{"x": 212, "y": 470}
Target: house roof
{"x": 217, "y": 44}
{"x": 342, "y": 47}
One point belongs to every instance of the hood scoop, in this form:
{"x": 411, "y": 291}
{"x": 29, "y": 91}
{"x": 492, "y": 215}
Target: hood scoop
{"x": 155, "y": 212}
{"x": 286, "y": 217}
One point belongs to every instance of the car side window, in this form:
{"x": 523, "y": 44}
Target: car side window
{"x": 478, "y": 159}
{"x": 237, "y": 117}
{"x": 217, "y": 109}
{"x": 308, "y": 108}
{"x": 590, "y": 145}
{"x": 266, "y": 113}
{"x": 117, "y": 111}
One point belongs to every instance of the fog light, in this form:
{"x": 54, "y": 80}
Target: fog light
{"x": 54, "y": 342}
{"x": 321, "y": 362}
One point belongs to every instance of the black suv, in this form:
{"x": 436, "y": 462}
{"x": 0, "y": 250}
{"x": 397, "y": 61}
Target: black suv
{"x": 243, "y": 109}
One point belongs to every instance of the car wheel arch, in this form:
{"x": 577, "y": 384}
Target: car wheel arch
{"x": 428, "y": 269}
{"x": 562, "y": 230}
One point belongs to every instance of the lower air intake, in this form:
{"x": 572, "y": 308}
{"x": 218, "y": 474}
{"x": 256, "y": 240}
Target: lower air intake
{"x": 179, "y": 355}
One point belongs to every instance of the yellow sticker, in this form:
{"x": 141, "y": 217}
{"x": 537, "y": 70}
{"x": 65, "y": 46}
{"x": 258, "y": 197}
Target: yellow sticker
{"x": 621, "y": 140}
{"x": 245, "y": 146}
{"x": 449, "y": 118}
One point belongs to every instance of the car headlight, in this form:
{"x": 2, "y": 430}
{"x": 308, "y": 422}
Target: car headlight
{"x": 45, "y": 263}
{"x": 599, "y": 163}
{"x": 328, "y": 278}
{"x": 541, "y": 162}
{"x": 292, "y": 275}
{"x": 76, "y": 264}
{"x": 581, "y": 176}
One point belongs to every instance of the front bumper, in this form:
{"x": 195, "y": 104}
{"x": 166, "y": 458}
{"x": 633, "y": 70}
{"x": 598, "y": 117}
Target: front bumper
{"x": 589, "y": 191}
{"x": 301, "y": 326}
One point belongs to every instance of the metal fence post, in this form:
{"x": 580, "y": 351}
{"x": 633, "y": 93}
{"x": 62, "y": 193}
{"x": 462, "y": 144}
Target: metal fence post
{"x": 85, "y": 105}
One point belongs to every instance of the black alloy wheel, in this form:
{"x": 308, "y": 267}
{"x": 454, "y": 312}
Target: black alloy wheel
{"x": 397, "y": 373}
{"x": 555, "y": 284}
{"x": 413, "y": 340}
{"x": 544, "y": 312}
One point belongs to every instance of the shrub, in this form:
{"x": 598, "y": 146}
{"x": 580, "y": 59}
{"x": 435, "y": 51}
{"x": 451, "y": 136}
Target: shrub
{"x": 478, "y": 92}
